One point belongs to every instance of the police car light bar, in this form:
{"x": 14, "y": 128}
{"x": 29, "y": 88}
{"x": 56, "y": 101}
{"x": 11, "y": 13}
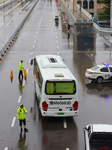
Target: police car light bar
{"x": 103, "y": 63}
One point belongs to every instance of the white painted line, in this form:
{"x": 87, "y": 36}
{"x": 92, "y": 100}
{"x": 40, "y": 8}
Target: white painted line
{"x": 67, "y": 148}
{"x": 19, "y": 100}
{"x": 37, "y": 33}
{"x": 27, "y": 70}
{"x": 56, "y": 36}
{"x": 35, "y": 41}
{"x": 35, "y": 36}
{"x": 58, "y": 53}
{"x": 31, "y": 54}
{"x": 6, "y": 148}
{"x": 24, "y": 83}
{"x": 13, "y": 121}
{"x": 55, "y": 32}
{"x": 56, "y": 41}
{"x": 65, "y": 123}
{"x": 33, "y": 46}
{"x": 57, "y": 46}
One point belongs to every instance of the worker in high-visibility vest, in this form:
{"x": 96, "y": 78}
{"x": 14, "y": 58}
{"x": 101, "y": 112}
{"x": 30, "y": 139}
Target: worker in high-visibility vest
{"x": 20, "y": 68}
{"x": 21, "y": 111}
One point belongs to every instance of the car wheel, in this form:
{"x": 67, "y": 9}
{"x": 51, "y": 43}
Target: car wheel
{"x": 99, "y": 79}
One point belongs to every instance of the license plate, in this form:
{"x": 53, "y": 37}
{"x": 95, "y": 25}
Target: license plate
{"x": 60, "y": 113}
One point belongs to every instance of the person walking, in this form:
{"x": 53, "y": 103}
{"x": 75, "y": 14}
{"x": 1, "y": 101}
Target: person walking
{"x": 68, "y": 27}
{"x": 21, "y": 111}
{"x": 20, "y": 68}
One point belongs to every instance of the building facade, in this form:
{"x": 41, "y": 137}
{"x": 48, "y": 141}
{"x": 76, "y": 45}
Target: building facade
{"x": 90, "y": 6}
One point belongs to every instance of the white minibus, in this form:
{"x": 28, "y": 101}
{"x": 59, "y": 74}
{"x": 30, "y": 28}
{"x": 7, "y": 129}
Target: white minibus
{"x": 55, "y": 86}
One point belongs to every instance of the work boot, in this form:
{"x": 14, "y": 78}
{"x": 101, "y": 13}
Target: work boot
{"x": 25, "y": 129}
{"x": 21, "y": 129}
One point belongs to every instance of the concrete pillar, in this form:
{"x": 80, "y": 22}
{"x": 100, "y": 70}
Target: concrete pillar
{"x": 74, "y": 6}
{"x": 111, "y": 14}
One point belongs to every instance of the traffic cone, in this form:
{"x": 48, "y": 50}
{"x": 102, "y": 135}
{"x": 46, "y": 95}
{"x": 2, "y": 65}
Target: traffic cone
{"x": 25, "y": 74}
{"x": 11, "y": 74}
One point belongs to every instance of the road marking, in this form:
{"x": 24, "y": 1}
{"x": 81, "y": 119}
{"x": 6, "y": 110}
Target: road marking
{"x": 33, "y": 46}
{"x": 35, "y": 36}
{"x": 35, "y": 41}
{"x": 65, "y": 123}
{"x": 56, "y": 41}
{"x": 6, "y": 148}
{"x": 56, "y": 36}
{"x": 19, "y": 100}
{"x": 13, "y": 121}
{"x": 37, "y": 33}
{"x": 67, "y": 148}
{"x": 27, "y": 70}
{"x": 57, "y": 46}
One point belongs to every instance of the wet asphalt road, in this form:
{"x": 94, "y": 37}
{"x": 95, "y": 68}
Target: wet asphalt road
{"x": 81, "y": 49}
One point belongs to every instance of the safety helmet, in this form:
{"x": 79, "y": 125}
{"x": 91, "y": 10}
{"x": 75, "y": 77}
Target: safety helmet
{"x": 21, "y": 105}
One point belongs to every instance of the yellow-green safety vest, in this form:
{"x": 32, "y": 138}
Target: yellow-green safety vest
{"x": 21, "y": 113}
{"x": 20, "y": 68}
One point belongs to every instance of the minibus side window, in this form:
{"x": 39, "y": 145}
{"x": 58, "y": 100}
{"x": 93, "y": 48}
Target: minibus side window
{"x": 37, "y": 73}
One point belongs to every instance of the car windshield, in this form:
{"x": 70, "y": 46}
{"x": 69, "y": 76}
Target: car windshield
{"x": 100, "y": 141}
{"x": 94, "y": 68}
{"x": 101, "y": 136}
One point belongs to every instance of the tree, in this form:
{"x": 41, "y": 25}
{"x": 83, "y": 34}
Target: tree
{"x": 106, "y": 10}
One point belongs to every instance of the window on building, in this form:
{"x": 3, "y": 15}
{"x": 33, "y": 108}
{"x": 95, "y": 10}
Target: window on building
{"x": 85, "y": 4}
{"x": 91, "y": 4}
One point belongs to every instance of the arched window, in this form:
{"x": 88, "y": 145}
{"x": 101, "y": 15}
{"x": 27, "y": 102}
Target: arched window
{"x": 85, "y": 4}
{"x": 91, "y": 4}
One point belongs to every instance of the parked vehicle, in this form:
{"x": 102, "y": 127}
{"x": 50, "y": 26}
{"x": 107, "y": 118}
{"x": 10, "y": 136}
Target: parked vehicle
{"x": 98, "y": 137}
{"x": 100, "y": 73}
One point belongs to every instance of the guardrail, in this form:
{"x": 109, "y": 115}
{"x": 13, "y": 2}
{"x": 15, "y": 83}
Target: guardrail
{"x": 101, "y": 28}
{"x": 15, "y": 33}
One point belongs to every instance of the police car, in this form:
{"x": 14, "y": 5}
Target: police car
{"x": 98, "y": 137}
{"x": 100, "y": 73}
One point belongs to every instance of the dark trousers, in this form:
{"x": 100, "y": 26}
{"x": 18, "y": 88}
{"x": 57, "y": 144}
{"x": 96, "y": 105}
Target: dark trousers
{"x": 20, "y": 75}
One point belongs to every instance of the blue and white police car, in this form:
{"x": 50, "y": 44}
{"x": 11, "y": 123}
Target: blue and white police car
{"x": 99, "y": 73}
{"x": 98, "y": 137}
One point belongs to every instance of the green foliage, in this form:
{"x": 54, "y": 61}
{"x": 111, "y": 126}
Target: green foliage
{"x": 100, "y": 1}
{"x": 106, "y": 8}
{"x": 78, "y": 1}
